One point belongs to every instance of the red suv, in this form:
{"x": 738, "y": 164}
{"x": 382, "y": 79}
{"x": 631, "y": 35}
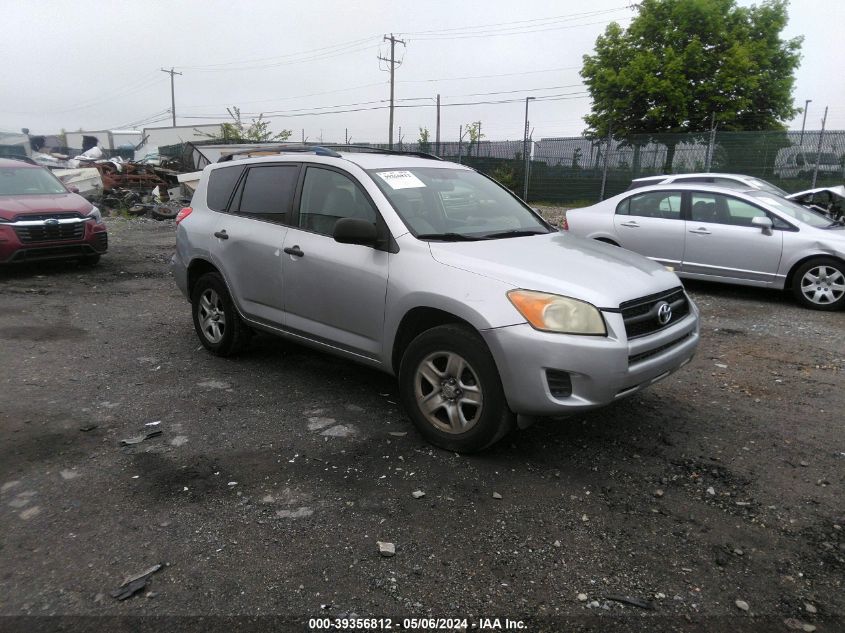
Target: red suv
{"x": 41, "y": 219}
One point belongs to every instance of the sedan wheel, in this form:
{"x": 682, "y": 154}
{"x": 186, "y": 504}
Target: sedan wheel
{"x": 820, "y": 284}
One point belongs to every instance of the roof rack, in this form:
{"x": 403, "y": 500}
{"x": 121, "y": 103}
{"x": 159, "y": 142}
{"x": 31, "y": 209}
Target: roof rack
{"x": 379, "y": 150}
{"x": 259, "y": 150}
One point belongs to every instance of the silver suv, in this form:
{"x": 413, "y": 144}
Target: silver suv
{"x": 433, "y": 272}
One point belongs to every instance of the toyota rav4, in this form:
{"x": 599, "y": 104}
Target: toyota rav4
{"x": 432, "y": 272}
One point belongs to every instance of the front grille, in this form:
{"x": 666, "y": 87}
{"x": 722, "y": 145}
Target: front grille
{"x": 50, "y": 233}
{"x": 560, "y": 384}
{"x": 47, "y": 216}
{"x": 636, "y": 358}
{"x": 640, "y": 315}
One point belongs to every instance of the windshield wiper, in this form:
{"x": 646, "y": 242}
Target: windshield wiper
{"x": 512, "y": 233}
{"x": 447, "y": 237}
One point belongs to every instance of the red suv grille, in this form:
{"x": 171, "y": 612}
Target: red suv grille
{"x": 50, "y": 233}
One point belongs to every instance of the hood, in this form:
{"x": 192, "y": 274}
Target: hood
{"x": 12, "y": 206}
{"x": 561, "y": 263}
{"x": 837, "y": 191}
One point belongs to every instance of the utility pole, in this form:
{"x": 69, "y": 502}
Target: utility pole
{"x": 819, "y": 150}
{"x": 393, "y": 66}
{"x": 525, "y": 153}
{"x": 460, "y": 141}
{"x": 346, "y": 134}
{"x": 437, "y": 134}
{"x": 478, "y": 141}
{"x": 606, "y": 161}
{"x": 804, "y": 121}
{"x": 712, "y": 143}
{"x": 172, "y": 72}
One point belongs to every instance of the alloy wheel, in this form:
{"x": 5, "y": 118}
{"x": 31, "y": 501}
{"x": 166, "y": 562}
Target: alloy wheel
{"x": 212, "y": 317}
{"x": 448, "y": 392}
{"x": 823, "y": 285}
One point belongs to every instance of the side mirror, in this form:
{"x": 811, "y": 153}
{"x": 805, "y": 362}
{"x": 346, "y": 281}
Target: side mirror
{"x": 73, "y": 189}
{"x": 763, "y": 222}
{"x": 355, "y": 231}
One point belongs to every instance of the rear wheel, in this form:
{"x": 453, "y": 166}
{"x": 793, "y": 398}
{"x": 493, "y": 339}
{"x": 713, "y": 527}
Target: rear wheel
{"x": 216, "y": 320}
{"x": 820, "y": 284}
{"x": 450, "y": 387}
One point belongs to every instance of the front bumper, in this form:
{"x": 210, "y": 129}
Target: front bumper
{"x": 27, "y": 245}
{"x": 600, "y": 370}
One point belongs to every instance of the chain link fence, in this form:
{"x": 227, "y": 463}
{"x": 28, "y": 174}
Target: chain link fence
{"x": 579, "y": 170}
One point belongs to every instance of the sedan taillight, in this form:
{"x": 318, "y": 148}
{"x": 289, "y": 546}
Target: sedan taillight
{"x": 564, "y": 225}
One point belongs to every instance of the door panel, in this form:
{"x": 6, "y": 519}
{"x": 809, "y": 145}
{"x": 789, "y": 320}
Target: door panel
{"x": 722, "y": 243}
{"x": 252, "y": 265}
{"x": 650, "y": 224}
{"x": 334, "y": 291}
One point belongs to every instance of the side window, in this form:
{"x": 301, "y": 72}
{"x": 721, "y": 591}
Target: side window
{"x": 221, "y": 182}
{"x": 718, "y": 209}
{"x": 268, "y": 191}
{"x": 656, "y": 204}
{"x": 328, "y": 196}
{"x": 623, "y": 207}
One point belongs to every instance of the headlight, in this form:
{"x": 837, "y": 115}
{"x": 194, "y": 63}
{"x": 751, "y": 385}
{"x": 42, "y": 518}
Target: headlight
{"x": 96, "y": 215}
{"x": 553, "y": 313}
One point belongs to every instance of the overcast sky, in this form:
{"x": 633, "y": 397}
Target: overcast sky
{"x": 96, "y": 65}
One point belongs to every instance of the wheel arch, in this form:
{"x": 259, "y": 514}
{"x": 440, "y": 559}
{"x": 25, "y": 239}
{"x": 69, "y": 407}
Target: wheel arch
{"x": 790, "y": 277}
{"x": 606, "y": 240}
{"x": 416, "y": 321}
{"x": 196, "y": 269}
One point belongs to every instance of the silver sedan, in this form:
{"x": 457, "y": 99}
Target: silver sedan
{"x": 751, "y": 238}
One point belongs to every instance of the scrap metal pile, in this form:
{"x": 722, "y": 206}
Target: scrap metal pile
{"x": 145, "y": 187}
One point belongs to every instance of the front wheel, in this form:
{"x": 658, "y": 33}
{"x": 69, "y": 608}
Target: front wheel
{"x": 820, "y": 284}
{"x": 450, "y": 387}
{"x": 216, "y": 320}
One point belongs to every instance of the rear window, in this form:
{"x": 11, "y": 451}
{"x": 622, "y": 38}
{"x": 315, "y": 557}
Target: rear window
{"x": 268, "y": 192}
{"x": 221, "y": 182}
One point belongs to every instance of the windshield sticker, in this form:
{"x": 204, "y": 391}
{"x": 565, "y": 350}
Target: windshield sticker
{"x": 401, "y": 179}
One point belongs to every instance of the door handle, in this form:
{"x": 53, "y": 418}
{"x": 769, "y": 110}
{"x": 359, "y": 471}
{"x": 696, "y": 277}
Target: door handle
{"x": 633, "y": 225}
{"x": 700, "y": 231}
{"x": 221, "y": 234}
{"x": 294, "y": 250}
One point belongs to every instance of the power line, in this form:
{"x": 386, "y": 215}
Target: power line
{"x": 529, "y": 72}
{"x": 522, "y": 32}
{"x": 314, "y": 51}
{"x": 514, "y": 22}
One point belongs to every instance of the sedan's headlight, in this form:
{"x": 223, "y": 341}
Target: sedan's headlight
{"x": 96, "y": 215}
{"x": 553, "y": 313}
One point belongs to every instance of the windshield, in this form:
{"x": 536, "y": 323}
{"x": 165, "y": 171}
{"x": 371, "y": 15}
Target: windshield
{"x": 28, "y": 181}
{"x": 455, "y": 204}
{"x": 762, "y": 185}
{"x": 795, "y": 211}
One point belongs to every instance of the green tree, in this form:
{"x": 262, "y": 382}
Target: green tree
{"x": 258, "y": 130}
{"x": 473, "y": 130}
{"x": 682, "y": 61}
{"x": 424, "y": 141}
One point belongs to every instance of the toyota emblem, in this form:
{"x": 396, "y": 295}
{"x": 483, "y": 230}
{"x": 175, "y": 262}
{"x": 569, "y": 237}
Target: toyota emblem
{"x": 664, "y": 313}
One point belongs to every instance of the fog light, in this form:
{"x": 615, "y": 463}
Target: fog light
{"x": 560, "y": 384}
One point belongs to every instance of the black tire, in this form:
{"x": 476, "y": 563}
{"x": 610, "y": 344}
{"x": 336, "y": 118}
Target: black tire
{"x": 233, "y": 332}
{"x": 830, "y": 296}
{"x": 90, "y": 260}
{"x": 491, "y": 421}
{"x": 166, "y": 211}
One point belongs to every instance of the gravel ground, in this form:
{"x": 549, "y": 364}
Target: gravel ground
{"x": 715, "y": 496}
